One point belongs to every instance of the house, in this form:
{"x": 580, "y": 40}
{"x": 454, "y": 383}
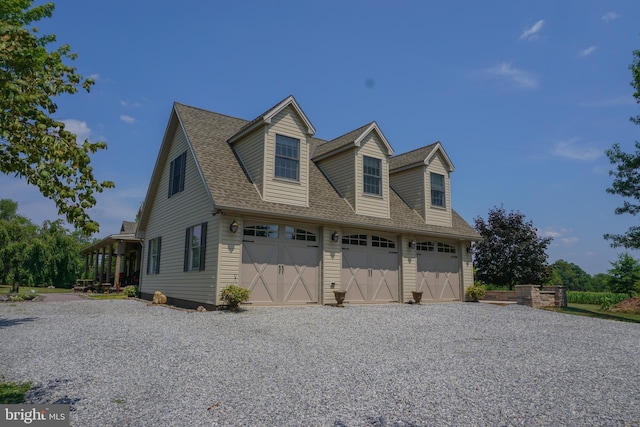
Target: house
{"x": 266, "y": 205}
{"x": 125, "y": 247}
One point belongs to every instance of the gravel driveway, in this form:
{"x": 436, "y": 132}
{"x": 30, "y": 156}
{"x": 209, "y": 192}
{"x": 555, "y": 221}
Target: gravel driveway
{"x": 125, "y": 363}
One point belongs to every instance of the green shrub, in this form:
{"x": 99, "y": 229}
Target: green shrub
{"x": 475, "y": 292}
{"x": 130, "y": 291}
{"x": 595, "y": 298}
{"x": 234, "y": 295}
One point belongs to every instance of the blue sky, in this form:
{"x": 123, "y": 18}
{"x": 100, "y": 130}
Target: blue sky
{"x": 524, "y": 96}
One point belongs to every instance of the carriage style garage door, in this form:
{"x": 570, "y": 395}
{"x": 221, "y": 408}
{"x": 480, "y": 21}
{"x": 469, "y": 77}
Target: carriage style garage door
{"x": 369, "y": 268}
{"x": 280, "y": 264}
{"x": 438, "y": 268}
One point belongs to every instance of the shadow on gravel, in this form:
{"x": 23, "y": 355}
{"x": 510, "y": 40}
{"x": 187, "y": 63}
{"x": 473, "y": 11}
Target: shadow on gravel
{"x": 5, "y": 323}
{"x": 41, "y": 395}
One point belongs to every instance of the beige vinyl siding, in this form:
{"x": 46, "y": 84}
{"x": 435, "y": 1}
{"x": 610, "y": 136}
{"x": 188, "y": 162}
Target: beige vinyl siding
{"x": 410, "y": 185}
{"x": 409, "y": 268}
{"x": 230, "y": 253}
{"x": 251, "y": 152}
{"x": 371, "y": 205}
{"x": 169, "y": 219}
{"x": 331, "y": 264}
{"x": 341, "y": 171}
{"x": 466, "y": 268}
{"x": 435, "y": 214}
{"x": 279, "y": 190}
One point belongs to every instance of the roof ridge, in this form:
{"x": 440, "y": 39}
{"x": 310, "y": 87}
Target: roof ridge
{"x": 208, "y": 111}
{"x": 417, "y": 149}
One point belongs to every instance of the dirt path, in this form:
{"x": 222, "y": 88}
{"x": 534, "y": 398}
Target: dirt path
{"x": 63, "y": 297}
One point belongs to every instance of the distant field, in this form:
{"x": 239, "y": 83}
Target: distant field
{"x": 591, "y": 310}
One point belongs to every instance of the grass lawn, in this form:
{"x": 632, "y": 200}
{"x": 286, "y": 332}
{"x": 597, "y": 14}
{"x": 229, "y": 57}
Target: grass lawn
{"x": 11, "y": 393}
{"x": 591, "y": 310}
{"x": 4, "y": 289}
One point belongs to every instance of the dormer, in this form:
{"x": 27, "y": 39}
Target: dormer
{"x": 274, "y": 150}
{"x": 357, "y": 164}
{"x": 422, "y": 178}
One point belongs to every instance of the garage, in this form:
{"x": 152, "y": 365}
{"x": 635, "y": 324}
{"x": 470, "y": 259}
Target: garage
{"x": 369, "y": 268}
{"x": 280, "y": 264}
{"x": 438, "y": 267}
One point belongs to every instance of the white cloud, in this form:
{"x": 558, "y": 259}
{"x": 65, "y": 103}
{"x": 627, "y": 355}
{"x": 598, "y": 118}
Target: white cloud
{"x": 561, "y": 236}
{"x": 94, "y": 76}
{"x": 127, "y": 119}
{"x": 128, "y": 104}
{"x": 514, "y": 76}
{"x": 79, "y": 128}
{"x": 610, "y": 16}
{"x": 531, "y": 33}
{"x": 618, "y": 101}
{"x": 571, "y": 149}
{"x": 588, "y": 51}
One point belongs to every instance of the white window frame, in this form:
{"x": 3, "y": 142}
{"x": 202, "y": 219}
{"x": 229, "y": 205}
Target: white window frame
{"x": 286, "y": 158}
{"x": 371, "y": 180}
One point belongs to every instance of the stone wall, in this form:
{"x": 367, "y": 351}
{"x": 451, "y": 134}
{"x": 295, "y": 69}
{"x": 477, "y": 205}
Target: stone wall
{"x": 499, "y": 296}
{"x": 550, "y": 296}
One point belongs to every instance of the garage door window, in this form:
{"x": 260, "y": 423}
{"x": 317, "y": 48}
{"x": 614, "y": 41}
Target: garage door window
{"x": 426, "y": 246}
{"x": 267, "y": 230}
{"x": 448, "y": 249}
{"x": 355, "y": 239}
{"x": 292, "y": 233}
{"x": 381, "y": 242}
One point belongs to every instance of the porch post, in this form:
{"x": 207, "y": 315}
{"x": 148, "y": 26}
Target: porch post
{"x": 119, "y": 251}
{"x": 109, "y": 265}
{"x": 95, "y": 265}
{"x": 104, "y": 250}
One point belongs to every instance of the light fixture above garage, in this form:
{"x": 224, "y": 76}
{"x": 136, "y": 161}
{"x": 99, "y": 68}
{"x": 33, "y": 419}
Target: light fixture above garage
{"x": 335, "y": 236}
{"x": 412, "y": 244}
{"x": 233, "y": 227}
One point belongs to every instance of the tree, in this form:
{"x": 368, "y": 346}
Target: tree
{"x": 571, "y": 276}
{"x": 511, "y": 252}
{"x": 33, "y": 144}
{"x": 625, "y": 275}
{"x": 627, "y": 173}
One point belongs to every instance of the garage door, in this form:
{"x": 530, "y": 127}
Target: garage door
{"x": 438, "y": 268}
{"x": 280, "y": 264}
{"x": 369, "y": 268}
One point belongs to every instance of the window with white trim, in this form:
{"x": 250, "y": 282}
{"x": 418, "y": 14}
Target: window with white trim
{"x": 153, "y": 258}
{"x": 194, "y": 247}
{"x": 266, "y": 230}
{"x": 287, "y": 162}
{"x": 372, "y": 175}
{"x": 292, "y": 233}
{"x": 355, "y": 239}
{"x": 437, "y": 190}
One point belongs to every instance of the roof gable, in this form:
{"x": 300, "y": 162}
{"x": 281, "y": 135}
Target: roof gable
{"x": 265, "y": 119}
{"x": 420, "y": 157}
{"x": 350, "y": 140}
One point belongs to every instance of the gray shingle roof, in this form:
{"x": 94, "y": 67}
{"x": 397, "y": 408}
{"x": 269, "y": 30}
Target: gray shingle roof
{"x": 231, "y": 190}
{"x": 339, "y": 142}
{"x": 416, "y": 157}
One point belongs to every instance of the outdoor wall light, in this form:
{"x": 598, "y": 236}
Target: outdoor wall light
{"x": 412, "y": 244}
{"x": 335, "y": 236}
{"x": 233, "y": 227}
{"x": 468, "y": 249}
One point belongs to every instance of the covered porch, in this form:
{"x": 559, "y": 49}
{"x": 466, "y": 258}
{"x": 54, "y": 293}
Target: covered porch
{"x": 113, "y": 262}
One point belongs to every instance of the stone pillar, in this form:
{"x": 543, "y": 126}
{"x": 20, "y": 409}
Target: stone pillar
{"x": 560, "y": 297}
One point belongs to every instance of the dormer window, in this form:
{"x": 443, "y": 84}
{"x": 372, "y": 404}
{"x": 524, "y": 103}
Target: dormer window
{"x": 437, "y": 190}
{"x": 372, "y": 176}
{"x": 287, "y": 164}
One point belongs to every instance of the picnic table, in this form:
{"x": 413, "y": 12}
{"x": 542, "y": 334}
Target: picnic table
{"x": 83, "y": 285}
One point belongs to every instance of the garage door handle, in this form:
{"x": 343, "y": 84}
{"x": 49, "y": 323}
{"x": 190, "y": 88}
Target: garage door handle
{"x": 313, "y": 246}
{"x": 391, "y": 252}
{"x": 248, "y": 241}
{"x": 345, "y": 249}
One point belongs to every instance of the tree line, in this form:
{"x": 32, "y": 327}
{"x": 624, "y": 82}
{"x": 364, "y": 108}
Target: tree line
{"x": 45, "y": 255}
